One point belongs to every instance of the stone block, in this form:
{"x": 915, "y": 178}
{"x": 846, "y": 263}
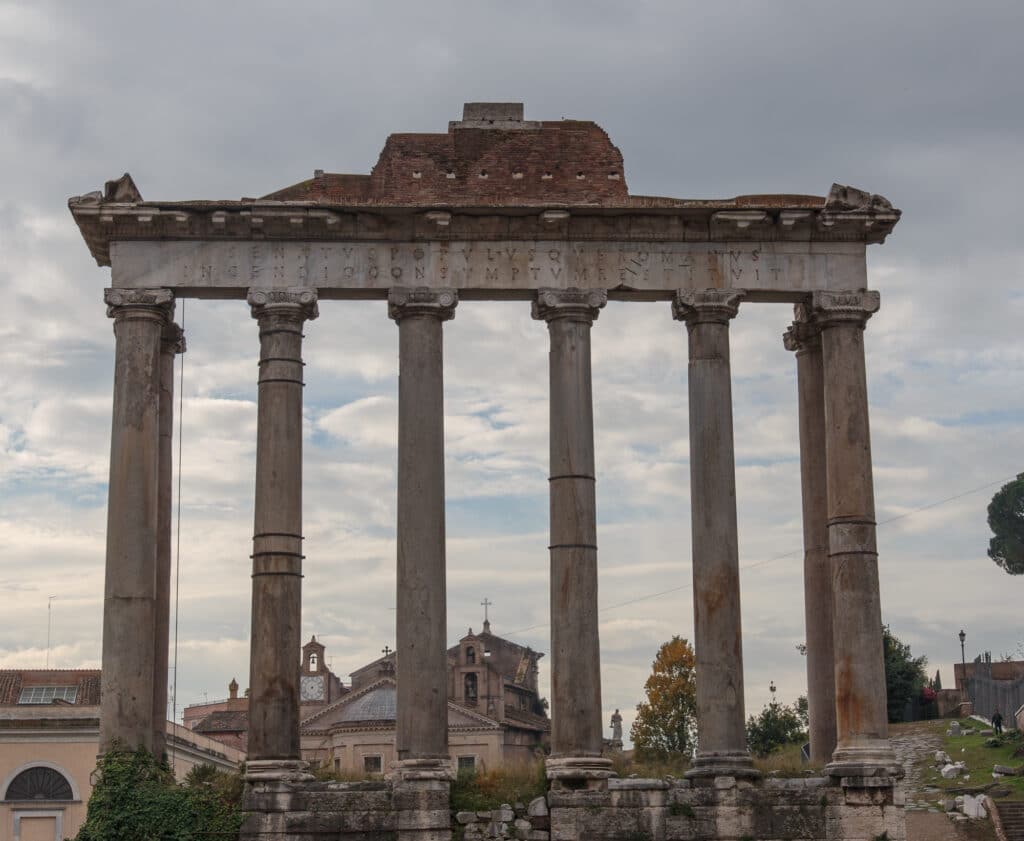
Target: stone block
{"x": 424, "y": 819}
{"x": 465, "y": 817}
{"x": 354, "y": 820}
{"x": 538, "y": 807}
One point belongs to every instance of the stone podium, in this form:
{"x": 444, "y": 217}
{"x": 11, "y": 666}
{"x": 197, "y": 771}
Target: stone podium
{"x": 503, "y": 208}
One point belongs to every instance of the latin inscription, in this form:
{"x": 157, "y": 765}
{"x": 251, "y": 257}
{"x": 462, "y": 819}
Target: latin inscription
{"x": 512, "y": 266}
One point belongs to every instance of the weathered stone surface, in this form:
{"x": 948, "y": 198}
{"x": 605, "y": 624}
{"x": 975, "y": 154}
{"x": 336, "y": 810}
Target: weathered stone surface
{"x": 576, "y": 732}
{"x": 491, "y": 269}
{"x": 130, "y": 590}
{"x": 722, "y": 749}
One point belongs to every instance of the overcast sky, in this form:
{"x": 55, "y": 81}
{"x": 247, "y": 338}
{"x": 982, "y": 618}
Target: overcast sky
{"x": 917, "y": 101}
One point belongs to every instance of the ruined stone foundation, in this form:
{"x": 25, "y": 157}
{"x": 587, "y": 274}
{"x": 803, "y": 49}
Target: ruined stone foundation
{"x": 707, "y": 809}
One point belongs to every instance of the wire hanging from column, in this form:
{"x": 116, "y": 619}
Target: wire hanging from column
{"x": 177, "y": 550}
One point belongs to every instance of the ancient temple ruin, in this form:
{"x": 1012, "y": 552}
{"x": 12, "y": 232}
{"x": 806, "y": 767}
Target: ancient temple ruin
{"x": 503, "y": 208}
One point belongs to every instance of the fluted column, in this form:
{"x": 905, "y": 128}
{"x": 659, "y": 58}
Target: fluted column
{"x": 718, "y": 643}
{"x": 576, "y": 715}
{"x": 129, "y": 609}
{"x": 862, "y": 727}
{"x": 421, "y": 633}
{"x": 172, "y": 343}
{"x": 804, "y": 338}
{"x": 277, "y": 534}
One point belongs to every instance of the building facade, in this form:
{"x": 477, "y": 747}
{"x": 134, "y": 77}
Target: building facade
{"x": 495, "y": 713}
{"x": 49, "y": 741}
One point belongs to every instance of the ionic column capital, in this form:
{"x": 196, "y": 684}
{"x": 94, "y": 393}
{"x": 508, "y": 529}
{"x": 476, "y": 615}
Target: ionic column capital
{"x": 291, "y": 304}
{"x": 173, "y": 339}
{"x": 572, "y": 303}
{"x": 803, "y": 334}
{"x": 830, "y": 308}
{"x": 409, "y": 302}
{"x": 136, "y": 303}
{"x": 703, "y": 306}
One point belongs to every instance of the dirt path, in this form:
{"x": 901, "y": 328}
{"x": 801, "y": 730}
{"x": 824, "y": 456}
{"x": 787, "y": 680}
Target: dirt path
{"x": 925, "y": 822}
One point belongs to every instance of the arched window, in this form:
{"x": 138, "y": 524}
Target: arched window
{"x": 470, "y": 688}
{"x": 470, "y": 654}
{"x": 312, "y": 661}
{"x": 39, "y": 784}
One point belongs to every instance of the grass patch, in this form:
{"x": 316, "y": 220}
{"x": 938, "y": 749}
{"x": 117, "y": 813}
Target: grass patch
{"x": 784, "y": 762}
{"x": 650, "y": 767}
{"x": 487, "y": 790}
{"x": 979, "y": 759}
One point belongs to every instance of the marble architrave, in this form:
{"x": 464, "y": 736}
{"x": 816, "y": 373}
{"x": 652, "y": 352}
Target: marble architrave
{"x": 476, "y": 269}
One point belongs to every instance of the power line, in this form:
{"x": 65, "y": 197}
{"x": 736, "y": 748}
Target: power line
{"x": 779, "y": 557}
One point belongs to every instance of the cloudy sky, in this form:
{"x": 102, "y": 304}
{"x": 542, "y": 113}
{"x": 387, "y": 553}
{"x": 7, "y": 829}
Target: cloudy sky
{"x": 918, "y": 101}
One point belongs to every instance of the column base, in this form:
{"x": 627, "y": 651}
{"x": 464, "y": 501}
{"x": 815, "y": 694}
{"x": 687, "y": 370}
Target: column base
{"x": 867, "y": 758}
{"x": 421, "y": 768}
{"x": 579, "y": 772}
{"x": 723, "y": 764}
{"x": 277, "y": 770}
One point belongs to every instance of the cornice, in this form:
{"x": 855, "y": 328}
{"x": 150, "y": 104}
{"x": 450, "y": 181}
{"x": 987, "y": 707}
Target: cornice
{"x": 757, "y": 219}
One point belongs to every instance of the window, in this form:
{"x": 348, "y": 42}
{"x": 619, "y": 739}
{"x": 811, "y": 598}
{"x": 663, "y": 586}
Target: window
{"x": 48, "y": 694}
{"x": 470, "y": 655}
{"x": 373, "y": 764}
{"x": 469, "y": 688}
{"x": 39, "y": 784}
{"x": 467, "y": 764}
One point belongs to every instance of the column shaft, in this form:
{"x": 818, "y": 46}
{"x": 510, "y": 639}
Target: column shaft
{"x": 576, "y": 714}
{"x": 172, "y": 344}
{"x": 422, "y": 630}
{"x": 277, "y": 534}
{"x": 126, "y": 706}
{"x": 821, "y": 688}
{"x": 861, "y": 720}
{"x": 718, "y": 644}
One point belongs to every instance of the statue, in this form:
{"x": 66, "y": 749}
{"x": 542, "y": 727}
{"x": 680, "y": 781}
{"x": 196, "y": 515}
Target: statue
{"x": 616, "y": 726}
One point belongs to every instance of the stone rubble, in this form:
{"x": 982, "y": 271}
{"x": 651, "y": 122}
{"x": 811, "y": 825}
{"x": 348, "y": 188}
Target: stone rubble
{"x": 524, "y": 823}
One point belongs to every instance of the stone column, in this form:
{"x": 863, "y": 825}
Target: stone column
{"x": 277, "y": 534}
{"x": 172, "y": 343}
{"x": 805, "y": 338}
{"x": 422, "y": 629}
{"x": 722, "y": 747}
{"x": 862, "y": 728}
{"x": 576, "y": 714}
{"x": 129, "y": 610}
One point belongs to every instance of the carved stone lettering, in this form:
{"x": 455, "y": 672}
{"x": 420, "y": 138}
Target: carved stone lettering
{"x": 777, "y": 270}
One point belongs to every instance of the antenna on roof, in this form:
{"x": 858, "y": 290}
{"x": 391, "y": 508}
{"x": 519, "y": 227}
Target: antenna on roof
{"x": 49, "y": 625}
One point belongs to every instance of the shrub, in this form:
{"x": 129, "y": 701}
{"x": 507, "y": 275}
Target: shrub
{"x": 136, "y": 797}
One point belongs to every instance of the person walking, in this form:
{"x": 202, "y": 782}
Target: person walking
{"x": 997, "y": 722}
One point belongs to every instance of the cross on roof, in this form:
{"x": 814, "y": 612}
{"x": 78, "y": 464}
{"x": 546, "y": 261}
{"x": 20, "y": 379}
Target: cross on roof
{"x": 486, "y": 604}
{"x": 386, "y": 650}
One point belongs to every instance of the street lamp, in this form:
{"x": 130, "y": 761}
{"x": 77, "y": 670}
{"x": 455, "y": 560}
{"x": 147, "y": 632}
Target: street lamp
{"x": 963, "y": 660}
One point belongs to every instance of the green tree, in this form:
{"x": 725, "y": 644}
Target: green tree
{"x": 1006, "y": 519}
{"x": 776, "y": 726}
{"x": 666, "y": 723}
{"x": 904, "y": 674}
